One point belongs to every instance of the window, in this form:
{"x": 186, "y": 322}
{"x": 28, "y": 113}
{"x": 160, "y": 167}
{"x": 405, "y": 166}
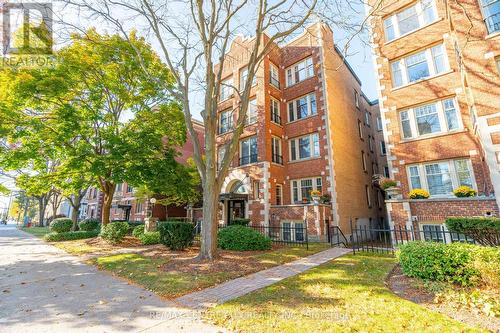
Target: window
{"x": 363, "y": 161}
{"x": 301, "y": 188}
{"x": 130, "y": 189}
{"x": 433, "y": 232}
{"x": 248, "y": 151}
{"x": 383, "y": 150}
{"x": 440, "y": 178}
{"x": 370, "y": 143}
{"x": 437, "y": 117}
{"x": 275, "y": 111}
{"x": 368, "y": 118}
{"x": 410, "y": 19}
{"x": 386, "y": 172}
{"x": 277, "y": 156}
{"x": 360, "y": 129}
{"x": 379, "y": 124}
{"x": 302, "y": 107}
{"x": 256, "y": 189}
{"x": 491, "y": 14}
{"x": 356, "y": 99}
{"x": 368, "y": 196}
{"x": 279, "y": 195}
{"x": 419, "y": 66}
{"x": 299, "y": 72}
{"x": 293, "y": 231}
{"x": 252, "y": 112}
{"x": 244, "y": 77}
{"x": 138, "y": 207}
{"x": 304, "y": 147}
{"x": 119, "y": 187}
{"x": 274, "y": 77}
{"x": 226, "y": 89}
{"x": 225, "y": 121}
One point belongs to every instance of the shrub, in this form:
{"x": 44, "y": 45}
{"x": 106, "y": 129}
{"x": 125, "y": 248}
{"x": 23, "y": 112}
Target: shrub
{"x": 241, "y": 238}
{"x": 386, "y": 183}
{"x": 485, "y": 231}
{"x": 418, "y": 193}
{"x": 176, "y": 235}
{"x": 70, "y": 235}
{"x": 89, "y": 224}
{"x": 114, "y": 232}
{"x": 62, "y": 224}
{"x": 439, "y": 262}
{"x": 240, "y": 221}
{"x": 150, "y": 238}
{"x": 464, "y": 192}
{"x": 138, "y": 231}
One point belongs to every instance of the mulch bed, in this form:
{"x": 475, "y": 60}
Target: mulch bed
{"x": 414, "y": 290}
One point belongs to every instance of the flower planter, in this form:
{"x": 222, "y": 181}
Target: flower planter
{"x": 392, "y": 192}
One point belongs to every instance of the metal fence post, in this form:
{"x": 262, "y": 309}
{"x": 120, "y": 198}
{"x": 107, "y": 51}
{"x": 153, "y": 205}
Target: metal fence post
{"x": 307, "y": 236}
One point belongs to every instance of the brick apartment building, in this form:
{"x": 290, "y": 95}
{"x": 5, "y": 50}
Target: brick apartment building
{"x": 438, "y": 67}
{"x": 309, "y": 127}
{"x": 126, "y": 206}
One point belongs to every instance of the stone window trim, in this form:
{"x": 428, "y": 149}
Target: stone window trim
{"x": 310, "y": 96}
{"x": 294, "y": 147}
{"x": 294, "y": 68}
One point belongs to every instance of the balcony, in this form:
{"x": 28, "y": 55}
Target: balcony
{"x": 493, "y": 23}
{"x": 274, "y": 82}
{"x": 277, "y": 159}
{"x": 244, "y": 160}
{"x": 276, "y": 118}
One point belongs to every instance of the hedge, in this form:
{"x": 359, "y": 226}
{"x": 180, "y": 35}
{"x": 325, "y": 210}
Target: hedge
{"x": 62, "y": 224}
{"x": 70, "y": 235}
{"x": 240, "y": 221}
{"x": 241, "y": 238}
{"x": 89, "y": 224}
{"x": 459, "y": 263}
{"x": 138, "y": 231}
{"x": 485, "y": 231}
{"x": 114, "y": 232}
{"x": 150, "y": 238}
{"x": 176, "y": 235}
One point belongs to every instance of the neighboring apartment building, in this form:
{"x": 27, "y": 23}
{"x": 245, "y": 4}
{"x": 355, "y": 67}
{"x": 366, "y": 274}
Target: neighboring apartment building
{"x": 439, "y": 90}
{"x": 309, "y": 127}
{"x": 126, "y": 206}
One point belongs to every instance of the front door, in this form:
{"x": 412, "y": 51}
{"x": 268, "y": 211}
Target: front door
{"x": 235, "y": 209}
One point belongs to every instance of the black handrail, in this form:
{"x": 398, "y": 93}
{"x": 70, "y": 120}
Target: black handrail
{"x": 337, "y": 237}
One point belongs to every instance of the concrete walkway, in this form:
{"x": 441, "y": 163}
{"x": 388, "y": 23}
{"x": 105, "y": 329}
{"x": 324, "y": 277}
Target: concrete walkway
{"x": 235, "y": 288}
{"x": 43, "y": 289}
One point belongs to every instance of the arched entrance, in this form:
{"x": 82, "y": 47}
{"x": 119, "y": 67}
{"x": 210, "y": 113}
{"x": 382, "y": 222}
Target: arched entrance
{"x": 235, "y": 201}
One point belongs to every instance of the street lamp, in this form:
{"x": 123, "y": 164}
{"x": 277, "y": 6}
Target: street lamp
{"x": 152, "y": 201}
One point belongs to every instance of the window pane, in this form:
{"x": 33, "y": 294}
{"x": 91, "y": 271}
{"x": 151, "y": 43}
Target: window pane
{"x": 463, "y": 173}
{"x": 295, "y": 191}
{"x": 397, "y": 74}
{"x": 407, "y": 20}
{"x": 304, "y": 147}
{"x": 433, "y": 233}
{"x": 315, "y": 139}
{"x": 299, "y": 232}
{"x": 428, "y": 11}
{"x": 439, "y": 61}
{"x": 306, "y": 187}
{"x": 389, "y": 29}
{"x": 438, "y": 178}
{"x": 301, "y": 104}
{"x": 319, "y": 186}
{"x": 414, "y": 177}
{"x": 293, "y": 150}
{"x": 313, "y": 104}
{"x": 451, "y": 114}
{"x": 287, "y": 231}
{"x": 252, "y": 111}
{"x": 417, "y": 67}
{"x": 405, "y": 125}
{"x": 427, "y": 119}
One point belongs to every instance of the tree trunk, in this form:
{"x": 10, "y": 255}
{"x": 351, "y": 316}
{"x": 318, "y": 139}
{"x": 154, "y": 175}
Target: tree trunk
{"x": 108, "y": 190}
{"x": 42, "y": 205}
{"x": 209, "y": 227}
{"x": 75, "y": 204}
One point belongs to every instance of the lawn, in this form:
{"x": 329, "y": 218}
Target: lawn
{"x": 346, "y": 295}
{"x": 172, "y": 274}
{"x": 36, "y": 231}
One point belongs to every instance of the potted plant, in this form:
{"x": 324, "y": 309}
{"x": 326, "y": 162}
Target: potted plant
{"x": 315, "y": 195}
{"x": 464, "y": 192}
{"x": 418, "y": 193}
{"x": 325, "y": 198}
{"x": 390, "y": 187}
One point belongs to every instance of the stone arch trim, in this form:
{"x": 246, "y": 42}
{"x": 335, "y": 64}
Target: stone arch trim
{"x": 234, "y": 176}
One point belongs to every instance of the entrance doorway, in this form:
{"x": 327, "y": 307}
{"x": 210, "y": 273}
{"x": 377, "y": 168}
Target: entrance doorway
{"x": 235, "y": 210}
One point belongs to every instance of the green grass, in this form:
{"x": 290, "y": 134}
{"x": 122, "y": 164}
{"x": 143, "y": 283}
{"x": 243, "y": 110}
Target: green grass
{"x": 345, "y": 295}
{"x": 287, "y": 254}
{"x": 146, "y": 272}
{"x": 36, "y": 231}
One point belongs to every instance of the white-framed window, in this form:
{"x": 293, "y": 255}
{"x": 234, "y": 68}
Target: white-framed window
{"x": 244, "y": 77}
{"x": 368, "y": 196}
{"x": 304, "y": 147}
{"x": 379, "y": 124}
{"x": 225, "y": 121}
{"x": 279, "y": 194}
{"x": 119, "y": 187}
{"x": 411, "y": 18}
{"x": 275, "y": 111}
{"x": 419, "y": 66}
{"x": 299, "y": 72}
{"x": 276, "y": 152}
{"x": 293, "y": 231}
{"x": 130, "y": 189}
{"x": 356, "y": 98}
{"x": 138, "y": 208}
{"x": 439, "y": 233}
{"x": 302, "y": 107}
{"x": 368, "y": 118}
{"x": 370, "y": 143}
{"x": 436, "y": 117}
{"x": 491, "y": 14}
{"x": 252, "y": 112}
{"x": 442, "y": 177}
{"x": 363, "y": 161}
{"x": 301, "y": 188}
{"x": 383, "y": 150}
{"x": 248, "y": 150}
{"x": 274, "y": 76}
{"x": 226, "y": 89}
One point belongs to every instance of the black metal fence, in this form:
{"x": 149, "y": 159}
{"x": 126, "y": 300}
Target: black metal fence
{"x": 386, "y": 240}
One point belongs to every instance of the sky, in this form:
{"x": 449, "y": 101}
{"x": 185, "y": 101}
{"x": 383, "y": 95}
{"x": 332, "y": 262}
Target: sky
{"x": 359, "y": 56}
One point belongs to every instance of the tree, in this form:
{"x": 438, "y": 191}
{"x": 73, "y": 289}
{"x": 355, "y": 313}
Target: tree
{"x": 194, "y": 46}
{"x": 110, "y": 120}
